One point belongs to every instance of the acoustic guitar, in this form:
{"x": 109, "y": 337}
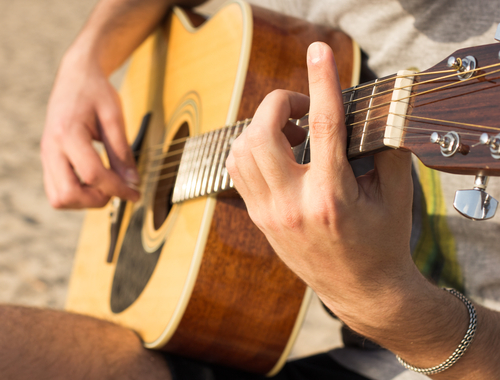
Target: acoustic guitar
{"x": 196, "y": 277}
{"x": 185, "y": 267}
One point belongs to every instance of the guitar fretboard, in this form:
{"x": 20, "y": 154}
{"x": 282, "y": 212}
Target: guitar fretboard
{"x": 202, "y": 170}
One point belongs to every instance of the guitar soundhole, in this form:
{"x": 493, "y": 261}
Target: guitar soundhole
{"x": 135, "y": 266}
{"x": 168, "y": 164}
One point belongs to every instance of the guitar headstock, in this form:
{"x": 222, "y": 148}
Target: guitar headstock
{"x": 452, "y": 123}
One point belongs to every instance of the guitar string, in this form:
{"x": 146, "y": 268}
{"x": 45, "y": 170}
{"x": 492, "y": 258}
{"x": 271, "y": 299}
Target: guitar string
{"x": 172, "y": 153}
{"x": 196, "y": 179}
{"x": 394, "y": 78}
{"x": 358, "y": 134}
{"x": 377, "y": 84}
{"x": 452, "y": 72}
{"x": 168, "y": 153}
{"x": 163, "y": 155}
{"x": 357, "y": 88}
{"x": 383, "y": 128}
{"x": 428, "y": 119}
{"x": 425, "y": 92}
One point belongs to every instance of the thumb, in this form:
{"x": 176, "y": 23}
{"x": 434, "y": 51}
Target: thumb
{"x": 394, "y": 173}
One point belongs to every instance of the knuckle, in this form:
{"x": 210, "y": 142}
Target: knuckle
{"x": 64, "y": 198}
{"x": 237, "y": 146}
{"x": 111, "y": 118}
{"x": 328, "y": 213}
{"x": 276, "y": 95}
{"x": 287, "y": 218}
{"x": 56, "y": 202}
{"x": 92, "y": 177}
{"x": 322, "y": 123}
{"x": 231, "y": 165}
{"x": 291, "y": 218}
{"x": 255, "y": 136}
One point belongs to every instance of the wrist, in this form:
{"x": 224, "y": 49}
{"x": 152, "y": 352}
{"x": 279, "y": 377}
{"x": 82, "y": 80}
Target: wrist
{"x": 82, "y": 53}
{"x": 370, "y": 299}
{"x": 420, "y": 322}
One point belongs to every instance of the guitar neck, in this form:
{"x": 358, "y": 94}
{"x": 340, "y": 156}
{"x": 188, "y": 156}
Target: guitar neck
{"x": 202, "y": 170}
{"x": 374, "y": 118}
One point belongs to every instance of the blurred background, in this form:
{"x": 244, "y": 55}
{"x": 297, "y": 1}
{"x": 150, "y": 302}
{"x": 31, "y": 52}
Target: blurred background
{"x": 37, "y": 243}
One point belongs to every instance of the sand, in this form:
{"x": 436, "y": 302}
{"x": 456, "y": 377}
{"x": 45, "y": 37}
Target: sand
{"x": 37, "y": 243}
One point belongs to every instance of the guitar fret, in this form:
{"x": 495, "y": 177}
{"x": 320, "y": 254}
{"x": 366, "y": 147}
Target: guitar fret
{"x": 198, "y": 164}
{"x": 192, "y": 163}
{"x": 211, "y": 187}
{"x": 189, "y": 166}
{"x": 180, "y": 183}
{"x": 367, "y": 118}
{"x": 303, "y": 121}
{"x": 211, "y": 159}
{"x": 348, "y": 104}
{"x": 222, "y": 161}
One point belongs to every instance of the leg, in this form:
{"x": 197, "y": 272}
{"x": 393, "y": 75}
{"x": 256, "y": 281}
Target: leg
{"x": 46, "y": 344}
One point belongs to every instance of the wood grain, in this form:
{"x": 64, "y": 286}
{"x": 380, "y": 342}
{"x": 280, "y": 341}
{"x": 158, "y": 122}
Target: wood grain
{"x": 257, "y": 296}
{"x": 448, "y": 103}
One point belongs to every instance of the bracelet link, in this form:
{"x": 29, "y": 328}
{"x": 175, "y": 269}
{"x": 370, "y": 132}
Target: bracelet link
{"x": 462, "y": 347}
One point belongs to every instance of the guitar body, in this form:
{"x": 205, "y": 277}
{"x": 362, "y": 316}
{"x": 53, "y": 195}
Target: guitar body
{"x": 198, "y": 278}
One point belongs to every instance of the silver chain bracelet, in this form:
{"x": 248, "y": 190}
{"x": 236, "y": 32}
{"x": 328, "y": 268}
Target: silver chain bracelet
{"x": 462, "y": 347}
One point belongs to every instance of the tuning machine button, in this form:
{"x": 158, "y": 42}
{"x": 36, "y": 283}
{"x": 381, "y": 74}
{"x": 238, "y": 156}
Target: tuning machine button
{"x": 493, "y": 143}
{"x": 476, "y": 204}
{"x": 449, "y": 143}
{"x": 497, "y": 34}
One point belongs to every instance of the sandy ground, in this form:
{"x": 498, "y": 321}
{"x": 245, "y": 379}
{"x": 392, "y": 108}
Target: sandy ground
{"x": 37, "y": 243}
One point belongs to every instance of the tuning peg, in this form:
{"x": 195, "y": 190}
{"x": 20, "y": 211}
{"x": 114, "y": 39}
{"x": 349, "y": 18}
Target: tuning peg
{"x": 449, "y": 143}
{"x": 476, "y": 204}
{"x": 493, "y": 143}
{"x": 465, "y": 66}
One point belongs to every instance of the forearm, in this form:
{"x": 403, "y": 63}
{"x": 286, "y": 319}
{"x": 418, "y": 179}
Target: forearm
{"x": 424, "y": 325}
{"x": 117, "y": 27}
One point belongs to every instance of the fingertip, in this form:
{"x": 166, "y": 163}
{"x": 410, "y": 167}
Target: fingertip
{"x": 131, "y": 176}
{"x": 315, "y": 52}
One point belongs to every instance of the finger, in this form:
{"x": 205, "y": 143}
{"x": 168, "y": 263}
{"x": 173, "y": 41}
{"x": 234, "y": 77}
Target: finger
{"x": 326, "y": 120}
{"x": 267, "y": 142}
{"x": 244, "y": 172}
{"x": 62, "y": 186}
{"x": 88, "y": 165}
{"x": 112, "y": 131}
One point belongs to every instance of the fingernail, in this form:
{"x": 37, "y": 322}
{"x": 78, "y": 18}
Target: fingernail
{"x": 132, "y": 177}
{"x": 133, "y": 186}
{"x": 315, "y": 52}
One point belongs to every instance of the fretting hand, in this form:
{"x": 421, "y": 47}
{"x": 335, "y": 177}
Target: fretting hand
{"x": 347, "y": 238}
